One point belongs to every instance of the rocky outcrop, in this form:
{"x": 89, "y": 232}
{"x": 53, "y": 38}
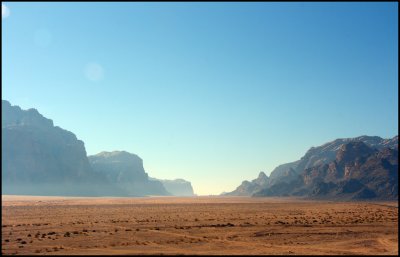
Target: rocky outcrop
{"x": 177, "y": 187}
{"x": 248, "y": 188}
{"x": 326, "y": 168}
{"x": 357, "y": 172}
{"x": 126, "y": 171}
{"x": 39, "y": 158}
{"x": 324, "y": 154}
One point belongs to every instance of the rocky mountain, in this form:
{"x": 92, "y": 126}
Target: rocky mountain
{"x": 324, "y": 154}
{"x": 39, "y": 158}
{"x": 324, "y": 171}
{"x": 358, "y": 172}
{"x": 126, "y": 171}
{"x": 177, "y": 187}
{"x": 250, "y": 187}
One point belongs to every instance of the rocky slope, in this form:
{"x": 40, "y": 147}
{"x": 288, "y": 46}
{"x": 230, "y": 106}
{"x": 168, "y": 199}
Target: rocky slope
{"x": 250, "y": 187}
{"x": 324, "y": 154}
{"x": 358, "y": 172}
{"x": 126, "y": 171}
{"x": 39, "y": 158}
{"x": 324, "y": 171}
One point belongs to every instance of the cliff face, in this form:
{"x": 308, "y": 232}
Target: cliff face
{"x": 39, "y": 158}
{"x": 347, "y": 168}
{"x": 357, "y": 172}
{"x": 325, "y": 154}
{"x": 177, "y": 187}
{"x": 126, "y": 171}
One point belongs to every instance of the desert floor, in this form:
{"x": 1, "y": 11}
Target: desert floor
{"x": 196, "y": 225}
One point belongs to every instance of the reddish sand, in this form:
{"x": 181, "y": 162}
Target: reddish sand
{"x": 196, "y": 225}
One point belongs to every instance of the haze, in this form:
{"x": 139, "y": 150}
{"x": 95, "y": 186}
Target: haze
{"x": 210, "y": 92}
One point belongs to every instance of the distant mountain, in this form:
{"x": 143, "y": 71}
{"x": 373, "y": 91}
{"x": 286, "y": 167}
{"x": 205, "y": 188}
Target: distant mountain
{"x": 126, "y": 171}
{"x": 39, "y": 158}
{"x": 177, "y": 187}
{"x": 320, "y": 172}
{"x": 248, "y": 188}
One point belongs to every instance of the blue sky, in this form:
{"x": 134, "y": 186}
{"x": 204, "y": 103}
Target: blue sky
{"x": 210, "y": 92}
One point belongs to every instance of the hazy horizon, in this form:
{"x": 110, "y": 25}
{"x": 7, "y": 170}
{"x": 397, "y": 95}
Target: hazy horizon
{"x": 212, "y": 93}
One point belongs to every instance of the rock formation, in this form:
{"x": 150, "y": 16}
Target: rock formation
{"x": 248, "y": 188}
{"x": 39, "y": 158}
{"x": 126, "y": 171}
{"x": 352, "y": 168}
{"x": 177, "y": 187}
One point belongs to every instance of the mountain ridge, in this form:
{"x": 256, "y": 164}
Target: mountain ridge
{"x": 326, "y": 156}
{"x": 39, "y": 158}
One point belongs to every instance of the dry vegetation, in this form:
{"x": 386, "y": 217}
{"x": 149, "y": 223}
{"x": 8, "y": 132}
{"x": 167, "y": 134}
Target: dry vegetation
{"x": 196, "y": 225}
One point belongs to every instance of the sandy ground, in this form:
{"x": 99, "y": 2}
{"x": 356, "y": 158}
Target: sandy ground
{"x": 196, "y": 225}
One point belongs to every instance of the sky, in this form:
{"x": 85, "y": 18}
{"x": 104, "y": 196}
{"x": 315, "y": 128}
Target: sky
{"x": 212, "y": 93}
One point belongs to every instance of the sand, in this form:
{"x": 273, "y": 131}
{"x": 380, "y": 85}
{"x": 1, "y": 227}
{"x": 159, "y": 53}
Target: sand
{"x": 196, "y": 225}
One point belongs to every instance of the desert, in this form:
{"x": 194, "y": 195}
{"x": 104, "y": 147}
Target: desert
{"x": 204, "y": 128}
{"x": 50, "y": 225}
